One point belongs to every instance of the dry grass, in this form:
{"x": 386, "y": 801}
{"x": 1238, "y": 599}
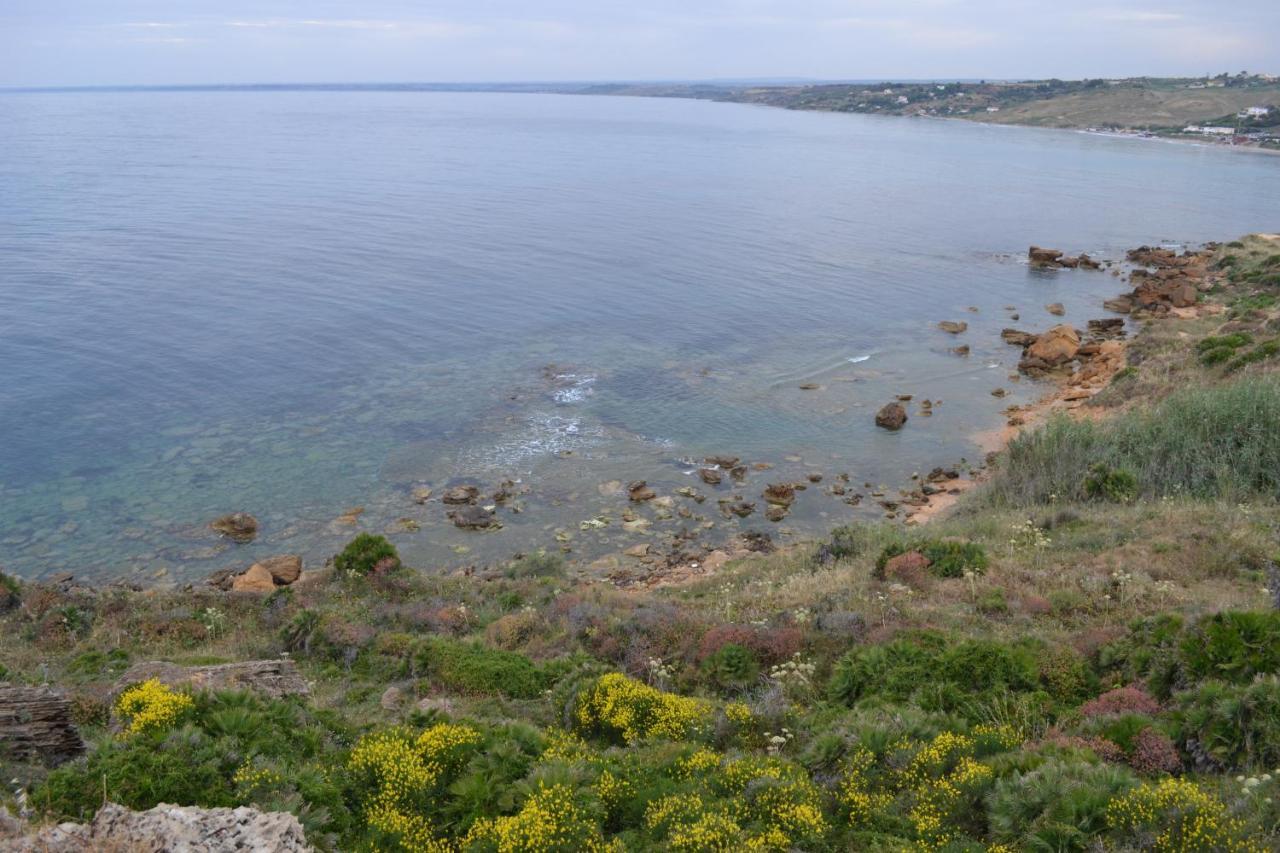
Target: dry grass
{"x": 1130, "y": 105}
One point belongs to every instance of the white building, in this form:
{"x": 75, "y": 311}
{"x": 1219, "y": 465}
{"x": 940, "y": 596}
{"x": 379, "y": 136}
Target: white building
{"x": 1256, "y": 112}
{"x": 1209, "y": 131}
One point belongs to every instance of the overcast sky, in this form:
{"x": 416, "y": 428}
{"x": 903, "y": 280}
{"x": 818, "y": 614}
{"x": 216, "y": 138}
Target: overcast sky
{"x": 69, "y": 42}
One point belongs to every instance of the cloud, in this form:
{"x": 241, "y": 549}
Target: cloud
{"x": 419, "y": 28}
{"x": 1139, "y": 16}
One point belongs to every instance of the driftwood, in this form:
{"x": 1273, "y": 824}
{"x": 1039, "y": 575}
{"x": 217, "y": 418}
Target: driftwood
{"x": 35, "y": 724}
{"x": 271, "y": 678}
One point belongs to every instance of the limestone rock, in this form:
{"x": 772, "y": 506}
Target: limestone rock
{"x": 35, "y": 724}
{"x": 256, "y": 579}
{"x": 271, "y": 678}
{"x": 1057, "y": 309}
{"x": 1056, "y": 346}
{"x": 170, "y": 829}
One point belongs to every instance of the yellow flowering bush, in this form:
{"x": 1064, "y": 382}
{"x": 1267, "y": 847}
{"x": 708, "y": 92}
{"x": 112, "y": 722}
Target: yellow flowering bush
{"x": 151, "y": 706}
{"x": 738, "y": 713}
{"x": 402, "y": 772}
{"x": 1178, "y": 816}
{"x": 621, "y": 707}
{"x": 550, "y": 821}
{"x": 762, "y": 803}
{"x": 856, "y": 794}
{"x": 251, "y": 778}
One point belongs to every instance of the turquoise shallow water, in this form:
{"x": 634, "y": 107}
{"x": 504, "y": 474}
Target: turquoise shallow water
{"x": 294, "y": 303}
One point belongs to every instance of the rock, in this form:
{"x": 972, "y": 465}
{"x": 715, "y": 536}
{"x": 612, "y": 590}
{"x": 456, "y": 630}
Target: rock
{"x": 1055, "y": 347}
{"x": 1112, "y": 327}
{"x": 816, "y": 477}
{"x": 1057, "y": 309}
{"x": 738, "y": 473}
{"x": 392, "y": 699}
{"x": 638, "y": 491}
{"x": 999, "y": 392}
{"x": 779, "y": 494}
{"x": 350, "y": 516}
{"x": 739, "y": 508}
{"x": 256, "y": 579}
{"x": 776, "y": 512}
{"x": 891, "y": 417}
{"x": 1041, "y": 257}
{"x": 810, "y": 386}
{"x": 180, "y": 829}
{"x": 442, "y": 704}
{"x": 710, "y": 476}
{"x": 460, "y": 495}
{"x": 274, "y": 679}
{"x": 421, "y": 494}
{"x": 961, "y": 350}
{"x": 641, "y": 550}
{"x": 474, "y": 518}
{"x": 237, "y": 526}
{"x": 953, "y": 327}
{"x": 284, "y": 569}
{"x": 1017, "y": 338}
{"x": 1120, "y": 304}
{"x": 35, "y": 725}
{"x": 1184, "y": 296}
{"x": 1087, "y": 262}
{"x": 725, "y": 462}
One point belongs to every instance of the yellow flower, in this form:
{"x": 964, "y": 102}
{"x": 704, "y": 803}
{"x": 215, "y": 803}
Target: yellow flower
{"x": 1179, "y": 816}
{"x": 549, "y": 822}
{"x": 622, "y": 706}
{"x": 151, "y": 705}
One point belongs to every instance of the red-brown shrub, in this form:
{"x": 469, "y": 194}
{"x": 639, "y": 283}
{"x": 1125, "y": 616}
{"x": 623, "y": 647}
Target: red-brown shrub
{"x": 1122, "y": 700}
{"x": 1153, "y": 753}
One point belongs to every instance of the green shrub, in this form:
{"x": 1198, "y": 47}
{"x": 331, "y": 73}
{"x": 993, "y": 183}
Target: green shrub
{"x": 96, "y": 664}
{"x": 1058, "y": 806}
{"x": 1232, "y": 726}
{"x": 475, "y": 669}
{"x": 732, "y": 667}
{"x": 934, "y": 673}
{"x": 992, "y": 603}
{"x": 1217, "y": 355}
{"x": 1232, "y": 646}
{"x": 539, "y": 564}
{"x": 365, "y": 552}
{"x": 1065, "y": 674}
{"x": 948, "y": 559}
{"x": 1108, "y": 484}
{"x": 1209, "y": 442}
{"x": 1233, "y": 341}
{"x": 1261, "y": 352}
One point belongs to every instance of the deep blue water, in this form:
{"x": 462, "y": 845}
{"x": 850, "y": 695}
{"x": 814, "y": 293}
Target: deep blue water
{"x": 293, "y": 303}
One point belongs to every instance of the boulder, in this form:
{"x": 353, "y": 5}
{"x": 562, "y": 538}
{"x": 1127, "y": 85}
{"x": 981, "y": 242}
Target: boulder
{"x": 182, "y": 829}
{"x": 961, "y": 350}
{"x": 1056, "y": 346}
{"x": 421, "y": 494}
{"x": 638, "y": 491}
{"x": 35, "y": 725}
{"x": 710, "y": 476}
{"x": 256, "y": 579}
{"x": 392, "y": 698}
{"x": 954, "y": 327}
{"x": 474, "y": 518}
{"x": 271, "y": 678}
{"x": 725, "y": 462}
{"x": 776, "y": 512}
{"x": 1017, "y": 338}
{"x": 780, "y": 494}
{"x": 891, "y": 417}
{"x": 284, "y": 569}
{"x": 1057, "y": 309}
{"x": 1040, "y": 256}
{"x": 460, "y": 495}
{"x": 1111, "y": 327}
{"x": 237, "y": 526}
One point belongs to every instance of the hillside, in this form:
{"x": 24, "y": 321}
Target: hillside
{"x": 1083, "y": 654}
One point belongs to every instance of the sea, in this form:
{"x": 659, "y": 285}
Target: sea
{"x": 318, "y": 306}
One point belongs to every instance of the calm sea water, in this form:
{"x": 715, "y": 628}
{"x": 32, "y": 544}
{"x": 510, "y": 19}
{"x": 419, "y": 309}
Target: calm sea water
{"x": 296, "y": 303}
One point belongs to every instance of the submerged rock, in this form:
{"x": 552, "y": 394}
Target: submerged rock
{"x": 780, "y": 494}
{"x": 460, "y": 495}
{"x": 953, "y": 327}
{"x": 710, "y": 476}
{"x": 472, "y": 517}
{"x": 639, "y": 491}
{"x": 237, "y": 526}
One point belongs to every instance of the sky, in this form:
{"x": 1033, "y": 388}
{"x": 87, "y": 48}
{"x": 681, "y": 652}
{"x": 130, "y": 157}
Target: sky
{"x": 141, "y": 42}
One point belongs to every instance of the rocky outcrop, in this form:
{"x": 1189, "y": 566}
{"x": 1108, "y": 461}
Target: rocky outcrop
{"x": 1050, "y": 350}
{"x": 460, "y": 495}
{"x": 237, "y": 526}
{"x": 271, "y": 678}
{"x": 891, "y": 417}
{"x": 1165, "y": 281}
{"x": 953, "y": 327}
{"x": 35, "y": 725}
{"x": 710, "y": 476}
{"x": 474, "y": 518}
{"x": 1017, "y": 338}
{"x": 168, "y": 829}
{"x": 255, "y": 579}
{"x": 1054, "y": 258}
{"x": 780, "y": 494}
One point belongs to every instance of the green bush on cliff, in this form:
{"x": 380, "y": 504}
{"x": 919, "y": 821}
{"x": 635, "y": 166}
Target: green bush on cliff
{"x": 1204, "y": 442}
{"x": 474, "y": 669}
{"x": 365, "y": 552}
{"x": 1232, "y": 726}
{"x": 1110, "y": 484}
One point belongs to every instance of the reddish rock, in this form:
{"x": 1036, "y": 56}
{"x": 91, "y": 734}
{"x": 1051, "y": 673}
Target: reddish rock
{"x": 891, "y": 417}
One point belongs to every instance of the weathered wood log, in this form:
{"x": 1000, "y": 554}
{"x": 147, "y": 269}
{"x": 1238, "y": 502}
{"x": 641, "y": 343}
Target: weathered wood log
{"x": 35, "y": 724}
{"x": 271, "y": 678}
